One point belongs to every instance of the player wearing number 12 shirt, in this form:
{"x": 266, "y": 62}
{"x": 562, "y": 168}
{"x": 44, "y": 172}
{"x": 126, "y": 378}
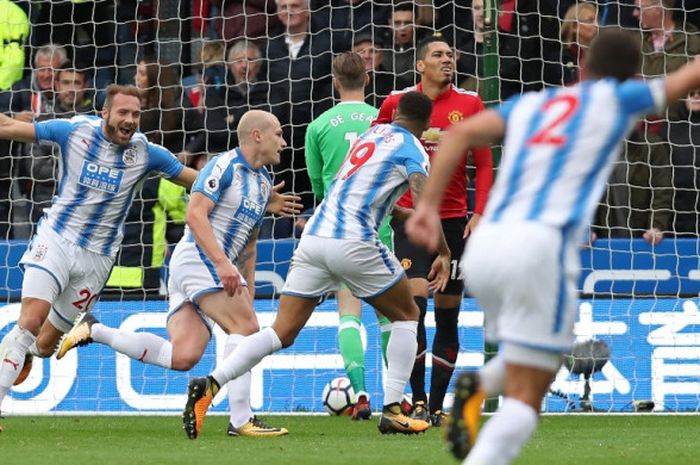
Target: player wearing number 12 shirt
{"x": 436, "y": 64}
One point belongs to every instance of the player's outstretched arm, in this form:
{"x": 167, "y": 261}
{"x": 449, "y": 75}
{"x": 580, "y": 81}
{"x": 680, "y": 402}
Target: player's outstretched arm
{"x": 186, "y": 177}
{"x": 682, "y": 81}
{"x": 13, "y": 129}
{"x": 198, "y": 220}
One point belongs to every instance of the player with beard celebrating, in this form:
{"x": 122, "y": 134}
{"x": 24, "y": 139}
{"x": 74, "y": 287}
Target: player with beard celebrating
{"x": 70, "y": 257}
{"x": 435, "y": 62}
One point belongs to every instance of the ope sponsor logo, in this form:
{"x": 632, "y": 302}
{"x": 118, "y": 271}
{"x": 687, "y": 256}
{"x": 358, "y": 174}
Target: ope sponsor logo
{"x": 100, "y": 177}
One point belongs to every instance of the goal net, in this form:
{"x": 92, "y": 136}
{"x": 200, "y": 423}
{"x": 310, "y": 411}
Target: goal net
{"x": 203, "y": 63}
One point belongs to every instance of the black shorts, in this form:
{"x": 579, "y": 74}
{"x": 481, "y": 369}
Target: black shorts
{"x": 416, "y": 261}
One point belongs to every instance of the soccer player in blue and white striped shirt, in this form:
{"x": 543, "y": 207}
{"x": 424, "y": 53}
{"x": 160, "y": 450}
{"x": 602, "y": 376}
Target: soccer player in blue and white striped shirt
{"x": 212, "y": 270}
{"x": 340, "y": 244}
{"x": 522, "y": 263}
{"x": 69, "y": 259}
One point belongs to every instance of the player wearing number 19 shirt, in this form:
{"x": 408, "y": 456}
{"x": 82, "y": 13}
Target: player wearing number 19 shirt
{"x": 435, "y": 63}
{"x": 328, "y": 141}
{"x": 69, "y": 259}
{"x": 522, "y": 263}
{"x": 340, "y": 244}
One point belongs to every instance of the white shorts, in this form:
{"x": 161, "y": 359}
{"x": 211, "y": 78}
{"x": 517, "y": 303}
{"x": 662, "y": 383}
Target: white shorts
{"x": 69, "y": 277}
{"x": 192, "y": 275}
{"x": 524, "y": 277}
{"x": 321, "y": 264}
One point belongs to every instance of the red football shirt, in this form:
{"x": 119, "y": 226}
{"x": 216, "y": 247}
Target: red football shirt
{"x": 449, "y": 107}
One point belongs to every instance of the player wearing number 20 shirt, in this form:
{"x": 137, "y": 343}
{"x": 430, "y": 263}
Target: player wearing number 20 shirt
{"x": 82, "y": 230}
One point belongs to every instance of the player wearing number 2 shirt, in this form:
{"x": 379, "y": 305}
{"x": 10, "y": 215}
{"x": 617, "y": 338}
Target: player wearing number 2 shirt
{"x": 435, "y": 63}
{"x": 523, "y": 262}
{"x": 69, "y": 259}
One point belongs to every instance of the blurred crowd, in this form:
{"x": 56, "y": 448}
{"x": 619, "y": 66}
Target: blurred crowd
{"x": 202, "y": 63}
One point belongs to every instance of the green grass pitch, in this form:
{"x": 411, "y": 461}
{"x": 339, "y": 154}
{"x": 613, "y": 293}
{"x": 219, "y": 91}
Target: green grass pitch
{"x": 597, "y": 439}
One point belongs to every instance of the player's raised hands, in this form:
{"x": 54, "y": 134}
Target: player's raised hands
{"x": 284, "y": 204}
{"x": 230, "y": 278}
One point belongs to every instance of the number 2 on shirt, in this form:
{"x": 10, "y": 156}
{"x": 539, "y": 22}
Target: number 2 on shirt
{"x": 547, "y": 135}
{"x": 359, "y": 154}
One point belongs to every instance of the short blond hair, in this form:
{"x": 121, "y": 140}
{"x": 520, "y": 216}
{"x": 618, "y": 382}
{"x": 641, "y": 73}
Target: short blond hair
{"x": 212, "y": 52}
{"x": 572, "y": 18}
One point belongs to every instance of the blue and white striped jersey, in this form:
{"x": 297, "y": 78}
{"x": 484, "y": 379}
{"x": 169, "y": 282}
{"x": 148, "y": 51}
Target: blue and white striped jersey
{"x": 559, "y": 147}
{"x": 372, "y": 178}
{"x": 97, "y": 180}
{"x": 240, "y": 195}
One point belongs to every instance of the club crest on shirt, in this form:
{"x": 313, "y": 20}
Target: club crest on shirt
{"x": 39, "y": 252}
{"x": 265, "y": 190}
{"x": 455, "y": 116}
{"x": 129, "y": 156}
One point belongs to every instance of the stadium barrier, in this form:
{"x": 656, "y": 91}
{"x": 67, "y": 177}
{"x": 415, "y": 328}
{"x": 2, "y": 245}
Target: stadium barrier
{"x": 653, "y": 335}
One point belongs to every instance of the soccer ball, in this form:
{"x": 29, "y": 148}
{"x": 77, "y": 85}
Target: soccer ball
{"x": 338, "y": 397}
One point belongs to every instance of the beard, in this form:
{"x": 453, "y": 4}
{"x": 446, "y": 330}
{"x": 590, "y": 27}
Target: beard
{"x": 113, "y": 133}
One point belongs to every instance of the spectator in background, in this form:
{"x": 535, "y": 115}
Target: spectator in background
{"x": 230, "y": 90}
{"x": 14, "y": 30}
{"x": 471, "y": 49}
{"x": 87, "y": 30}
{"x": 212, "y": 57}
{"x": 580, "y": 26}
{"x": 40, "y": 161}
{"x": 529, "y": 45}
{"x": 72, "y": 94}
{"x": 639, "y": 198}
{"x": 27, "y": 99}
{"x": 34, "y": 94}
{"x": 347, "y": 18}
{"x": 249, "y": 19}
{"x": 299, "y": 63}
{"x": 685, "y": 160}
{"x": 400, "y": 55}
{"x": 381, "y": 81}
{"x": 166, "y": 117}
{"x": 667, "y": 44}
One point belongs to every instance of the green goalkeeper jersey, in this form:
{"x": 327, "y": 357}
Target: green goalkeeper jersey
{"x": 328, "y": 140}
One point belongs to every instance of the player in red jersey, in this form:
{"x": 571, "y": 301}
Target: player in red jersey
{"x": 435, "y": 62}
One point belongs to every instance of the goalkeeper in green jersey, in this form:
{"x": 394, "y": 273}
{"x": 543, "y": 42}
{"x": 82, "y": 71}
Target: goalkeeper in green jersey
{"x": 328, "y": 140}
